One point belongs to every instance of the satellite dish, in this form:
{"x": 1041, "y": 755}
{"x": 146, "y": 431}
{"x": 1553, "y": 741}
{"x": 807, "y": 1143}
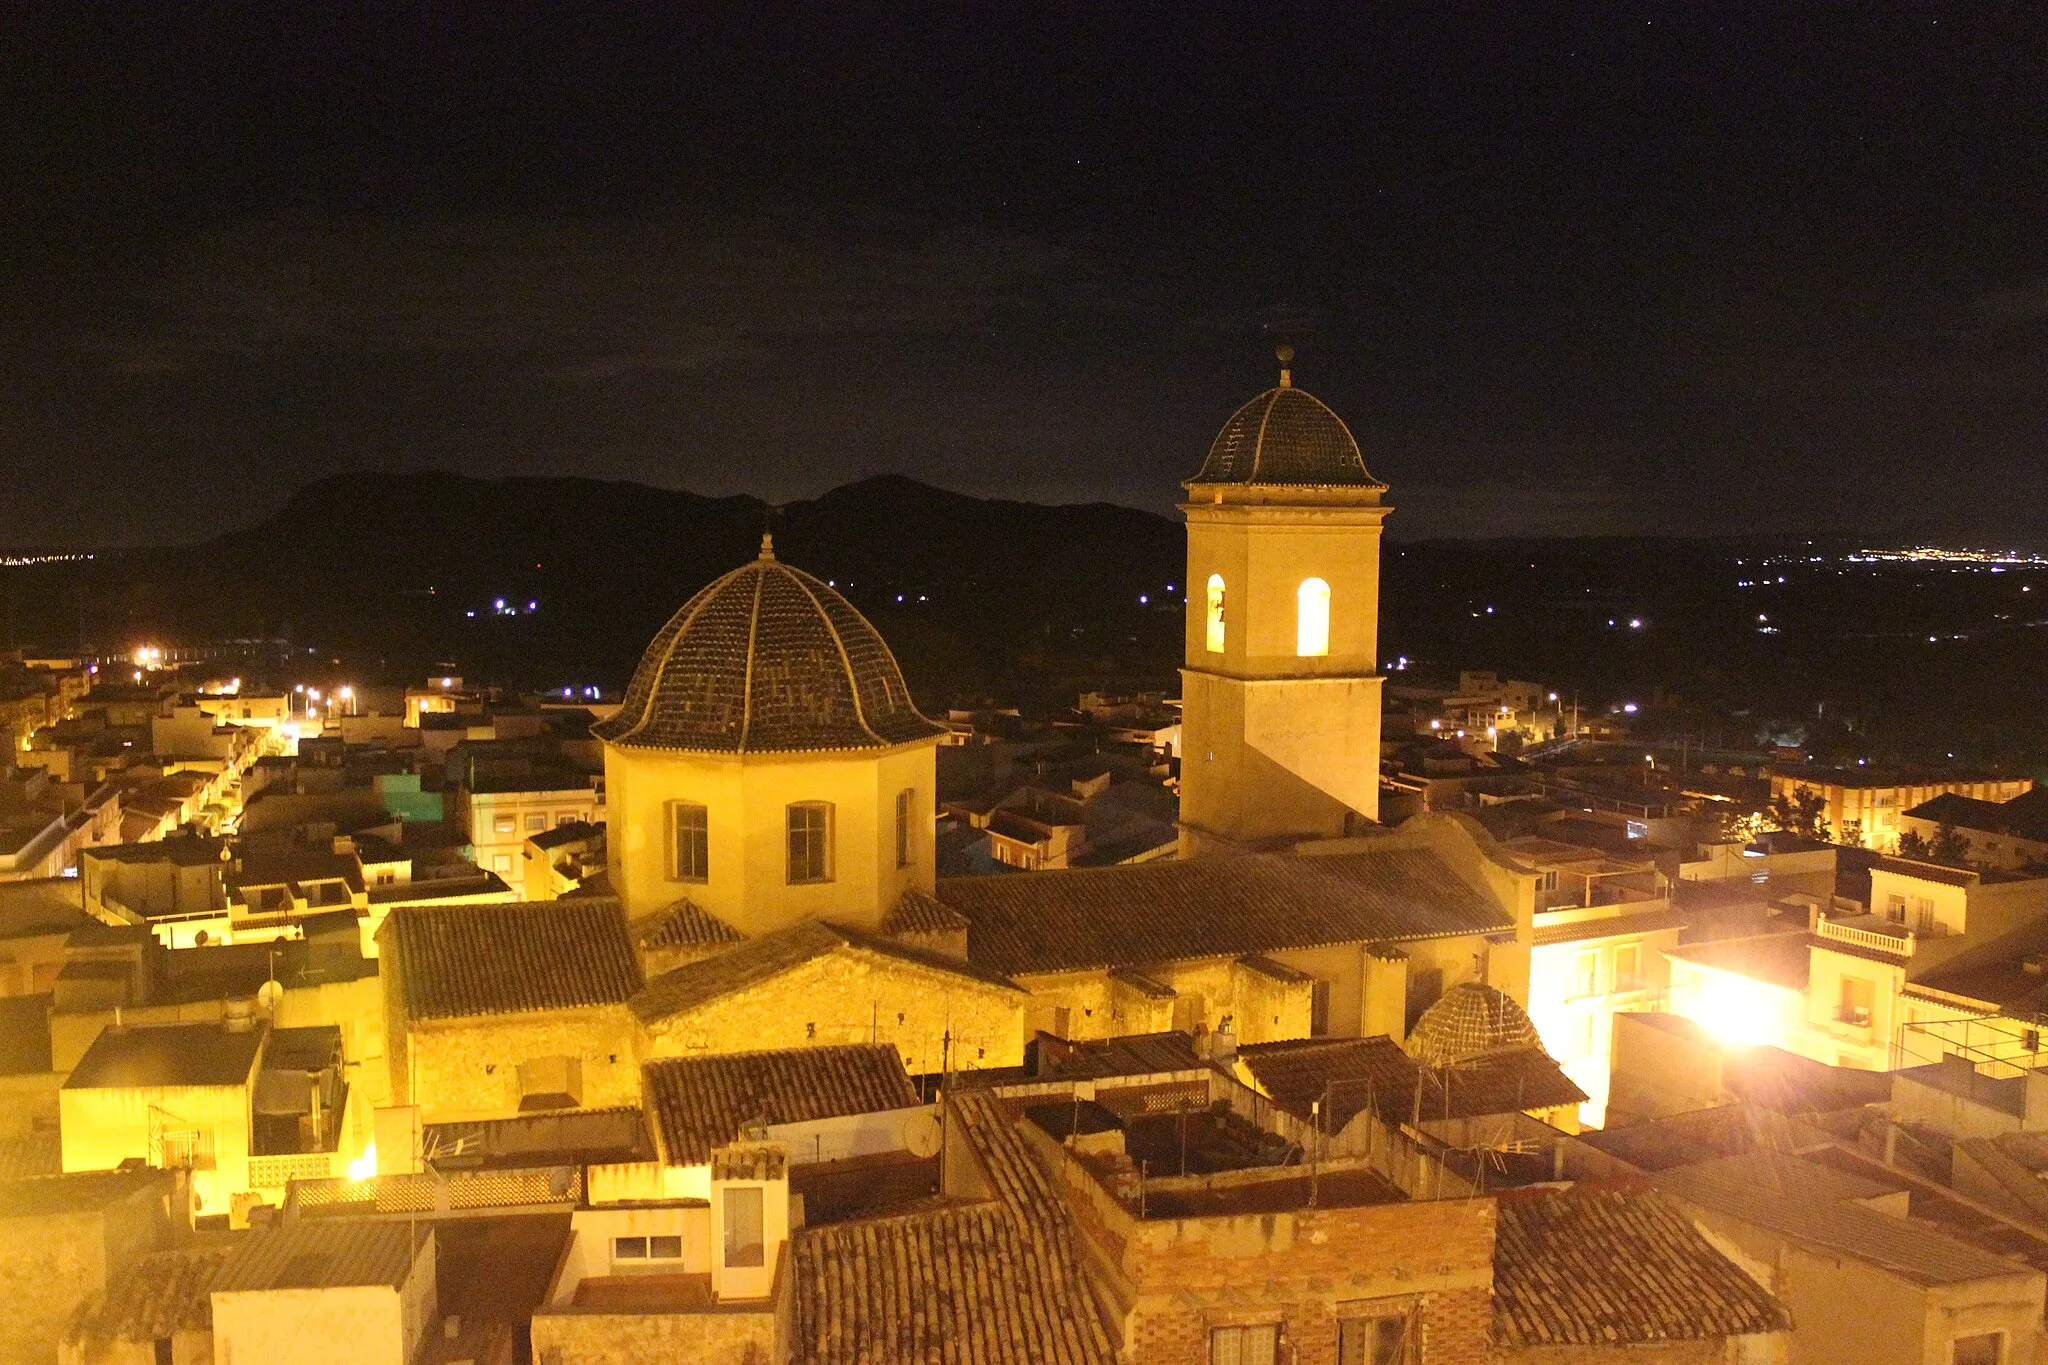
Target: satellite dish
{"x": 268, "y": 996}
{"x": 921, "y": 1134}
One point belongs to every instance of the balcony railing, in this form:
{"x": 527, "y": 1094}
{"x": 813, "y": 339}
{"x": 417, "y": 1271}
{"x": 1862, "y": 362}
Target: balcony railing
{"x": 1872, "y": 940}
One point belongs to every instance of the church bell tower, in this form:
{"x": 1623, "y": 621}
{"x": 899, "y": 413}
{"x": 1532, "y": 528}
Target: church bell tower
{"x": 1280, "y": 736}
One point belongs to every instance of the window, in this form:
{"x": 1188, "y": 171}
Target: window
{"x": 689, "y": 852}
{"x": 1319, "y": 1009}
{"x": 536, "y": 822}
{"x": 1857, "y": 998}
{"x": 1585, "y": 973}
{"x": 1923, "y": 914}
{"x": 565, "y": 817}
{"x": 810, "y": 842}
{"x": 190, "y": 1150}
{"x": 503, "y": 824}
{"x": 904, "y": 800}
{"x": 1628, "y": 968}
{"x": 743, "y": 1246}
{"x": 1312, "y": 618}
{"x": 501, "y": 862}
{"x": 1982, "y": 1348}
{"x": 1371, "y": 1341}
{"x": 1895, "y": 909}
{"x": 665, "y": 1248}
{"x": 1215, "y": 613}
{"x": 2030, "y": 1039}
{"x": 629, "y": 1248}
{"x": 1244, "y": 1345}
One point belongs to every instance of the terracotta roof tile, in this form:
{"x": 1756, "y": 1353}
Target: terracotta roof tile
{"x": 1594, "y": 1267}
{"x": 918, "y": 913}
{"x": 1213, "y": 907}
{"x": 328, "y": 1253}
{"x": 683, "y": 925}
{"x": 996, "y": 1283}
{"x": 457, "y": 961}
{"x": 159, "y": 1294}
{"x": 700, "y": 1103}
{"x": 767, "y": 659}
{"x": 1352, "y": 1074}
{"x": 1285, "y": 436}
{"x": 771, "y": 955}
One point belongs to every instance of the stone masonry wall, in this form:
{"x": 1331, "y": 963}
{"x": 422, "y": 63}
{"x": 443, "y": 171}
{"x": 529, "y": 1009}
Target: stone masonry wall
{"x": 854, "y": 998}
{"x": 585, "y": 1338}
{"x": 469, "y": 1069}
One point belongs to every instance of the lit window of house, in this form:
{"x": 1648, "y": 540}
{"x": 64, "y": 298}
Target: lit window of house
{"x": 1215, "y": 613}
{"x": 743, "y": 1242}
{"x": 1371, "y": 1341}
{"x": 1628, "y": 968}
{"x": 1857, "y": 997}
{"x": 1585, "y": 973}
{"x": 1312, "y": 618}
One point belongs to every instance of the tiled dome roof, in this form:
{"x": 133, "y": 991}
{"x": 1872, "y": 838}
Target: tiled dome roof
{"x": 1285, "y": 436}
{"x": 1470, "y": 1020}
{"x": 767, "y": 660}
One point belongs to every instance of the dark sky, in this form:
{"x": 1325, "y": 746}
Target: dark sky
{"x": 1652, "y": 268}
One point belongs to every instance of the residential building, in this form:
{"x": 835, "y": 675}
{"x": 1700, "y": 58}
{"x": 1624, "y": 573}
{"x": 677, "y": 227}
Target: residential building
{"x": 1866, "y": 806}
{"x": 2008, "y": 834}
{"x": 64, "y": 1238}
{"x": 327, "y": 1292}
{"x": 500, "y": 813}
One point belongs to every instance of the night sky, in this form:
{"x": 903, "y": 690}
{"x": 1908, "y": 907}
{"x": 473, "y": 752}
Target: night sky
{"x": 1654, "y": 268}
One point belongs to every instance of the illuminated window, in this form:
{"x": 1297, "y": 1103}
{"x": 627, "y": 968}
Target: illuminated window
{"x": 1312, "y": 618}
{"x": 1372, "y": 1341}
{"x": 743, "y": 1243}
{"x": 1858, "y": 996}
{"x": 1628, "y": 968}
{"x": 1585, "y": 973}
{"x": 690, "y": 842}
{"x": 536, "y": 822}
{"x": 810, "y": 842}
{"x": 1215, "y": 613}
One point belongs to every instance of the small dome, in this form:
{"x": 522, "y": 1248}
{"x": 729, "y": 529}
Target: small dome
{"x": 767, "y": 660}
{"x": 1470, "y": 1020}
{"x": 1285, "y": 436}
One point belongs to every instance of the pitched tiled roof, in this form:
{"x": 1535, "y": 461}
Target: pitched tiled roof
{"x": 771, "y": 955}
{"x": 75, "y": 1192}
{"x": 1813, "y": 1205}
{"x": 159, "y": 1294}
{"x": 701, "y": 1102}
{"x": 1611, "y": 926}
{"x": 918, "y": 913}
{"x": 462, "y": 960}
{"x": 1927, "y": 872}
{"x": 1285, "y": 436}
{"x": 1213, "y": 907}
{"x": 1593, "y": 1267}
{"x": 125, "y": 1056}
{"x": 766, "y": 660}
{"x": 996, "y": 1283}
{"x": 1351, "y": 1074}
{"x": 683, "y": 925}
{"x": 322, "y": 1254}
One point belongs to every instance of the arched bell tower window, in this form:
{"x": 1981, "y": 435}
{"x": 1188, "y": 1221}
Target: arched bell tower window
{"x": 1312, "y": 618}
{"x": 1215, "y": 613}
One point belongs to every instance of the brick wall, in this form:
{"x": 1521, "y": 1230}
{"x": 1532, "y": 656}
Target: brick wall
{"x": 1306, "y": 1271}
{"x": 846, "y": 997}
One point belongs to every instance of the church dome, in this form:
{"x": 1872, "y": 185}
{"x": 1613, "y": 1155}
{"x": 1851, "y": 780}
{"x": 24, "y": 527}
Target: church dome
{"x": 1288, "y": 437}
{"x": 767, "y": 660}
{"x": 1470, "y": 1020}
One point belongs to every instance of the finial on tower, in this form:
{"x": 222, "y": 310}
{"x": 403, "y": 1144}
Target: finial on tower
{"x": 767, "y": 545}
{"x": 1286, "y": 355}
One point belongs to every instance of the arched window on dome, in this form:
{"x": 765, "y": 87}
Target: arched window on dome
{"x": 1215, "y": 613}
{"x": 1312, "y": 618}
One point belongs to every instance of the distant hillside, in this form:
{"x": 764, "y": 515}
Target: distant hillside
{"x": 384, "y": 569}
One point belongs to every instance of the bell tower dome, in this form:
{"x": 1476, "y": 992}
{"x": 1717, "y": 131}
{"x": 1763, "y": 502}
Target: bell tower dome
{"x": 1281, "y": 729}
